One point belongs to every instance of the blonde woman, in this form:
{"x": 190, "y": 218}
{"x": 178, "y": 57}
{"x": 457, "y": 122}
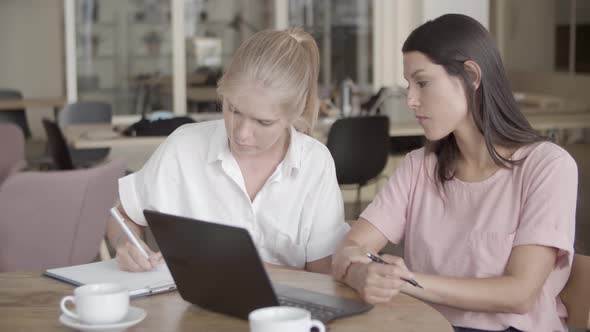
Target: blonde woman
{"x": 257, "y": 169}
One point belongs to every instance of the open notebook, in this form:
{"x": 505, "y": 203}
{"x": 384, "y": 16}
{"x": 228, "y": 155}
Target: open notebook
{"x": 139, "y": 284}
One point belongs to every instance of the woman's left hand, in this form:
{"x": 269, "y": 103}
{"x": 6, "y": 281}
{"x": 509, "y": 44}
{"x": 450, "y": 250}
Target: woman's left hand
{"x": 377, "y": 282}
{"x": 346, "y": 256}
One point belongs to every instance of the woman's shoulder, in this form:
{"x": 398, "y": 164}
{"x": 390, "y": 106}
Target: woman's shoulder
{"x": 193, "y": 137}
{"x": 191, "y": 131}
{"x": 542, "y": 154}
{"x": 420, "y": 159}
{"x": 311, "y": 147}
{"x": 543, "y": 161}
{"x": 195, "y": 134}
{"x": 419, "y": 155}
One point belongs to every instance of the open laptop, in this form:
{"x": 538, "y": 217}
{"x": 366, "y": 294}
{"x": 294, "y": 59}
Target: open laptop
{"x": 217, "y": 267}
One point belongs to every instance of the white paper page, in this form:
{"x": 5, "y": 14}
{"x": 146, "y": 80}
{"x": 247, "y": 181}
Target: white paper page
{"x": 107, "y": 271}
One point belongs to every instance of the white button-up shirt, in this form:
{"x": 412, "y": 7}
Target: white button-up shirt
{"x": 296, "y": 217}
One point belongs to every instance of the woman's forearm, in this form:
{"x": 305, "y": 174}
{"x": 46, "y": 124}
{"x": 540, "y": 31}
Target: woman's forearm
{"x": 497, "y": 294}
{"x": 515, "y": 291}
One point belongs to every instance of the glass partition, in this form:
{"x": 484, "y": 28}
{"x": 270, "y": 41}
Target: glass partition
{"x": 213, "y": 31}
{"x": 124, "y": 48}
{"x": 344, "y": 32}
{"x": 124, "y": 54}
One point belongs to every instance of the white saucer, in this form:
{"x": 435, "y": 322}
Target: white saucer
{"x": 134, "y": 316}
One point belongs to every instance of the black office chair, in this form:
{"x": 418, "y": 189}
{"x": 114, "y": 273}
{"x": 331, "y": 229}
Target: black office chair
{"x": 360, "y": 148}
{"x": 17, "y": 116}
{"x": 399, "y": 145}
{"x": 63, "y": 158}
{"x": 57, "y": 147}
{"x": 87, "y": 112}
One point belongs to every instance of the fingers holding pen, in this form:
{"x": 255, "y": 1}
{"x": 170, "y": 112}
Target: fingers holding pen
{"x": 396, "y": 268}
{"x": 379, "y": 285}
{"x": 126, "y": 261}
{"x": 130, "y": 258}
{"x": 394, "y": 260}
{"x": 155, "y": 258}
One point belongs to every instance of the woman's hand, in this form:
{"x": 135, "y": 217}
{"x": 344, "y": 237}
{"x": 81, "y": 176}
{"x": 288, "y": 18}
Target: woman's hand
{"x": 362, "y": 238}
{"x": 129, "y": 258}
{"x": 376, "y": 282}
{"x": 345, "y": 256}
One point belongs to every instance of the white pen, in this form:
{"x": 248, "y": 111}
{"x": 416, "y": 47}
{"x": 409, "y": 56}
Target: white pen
{"x": 127, "y": 231}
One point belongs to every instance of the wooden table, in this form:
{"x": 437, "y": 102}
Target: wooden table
{"x": 21, "y": 104}
{"x": 29, "y": 302}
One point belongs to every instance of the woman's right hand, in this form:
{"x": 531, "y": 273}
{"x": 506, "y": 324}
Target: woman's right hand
{"x": 129, "y": 258}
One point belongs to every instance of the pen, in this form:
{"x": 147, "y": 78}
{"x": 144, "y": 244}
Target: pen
{"x": 127, "y": 231}
{"x": 378, "y": 259}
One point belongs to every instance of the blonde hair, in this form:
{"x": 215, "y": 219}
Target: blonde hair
{"x": 285, "y": 62}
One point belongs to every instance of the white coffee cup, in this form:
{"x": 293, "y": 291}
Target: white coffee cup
{"x": 284, "y": 319}
{"x": 98, "y": 303}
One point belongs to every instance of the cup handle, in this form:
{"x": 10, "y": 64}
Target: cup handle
{"x": 317, "y": 324}
{"x": 67, "y": 311}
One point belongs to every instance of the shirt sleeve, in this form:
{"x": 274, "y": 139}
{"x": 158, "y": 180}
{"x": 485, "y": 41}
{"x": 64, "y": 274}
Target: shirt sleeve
{"x": 328, "y": 226}
{"x": 388, "y": 210}
{"x": 148, "y": 187}
{"x": 549, "y": 209}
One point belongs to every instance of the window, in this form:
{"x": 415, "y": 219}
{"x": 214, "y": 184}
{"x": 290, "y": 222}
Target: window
{"x": 123, "y": 53}
{"x": 124, "y": 49}
{"x": 343, "y": 30}
{"x": 572, "y": 49}
{"x": 543, "y": 36}
{"x": 213, "y": 32}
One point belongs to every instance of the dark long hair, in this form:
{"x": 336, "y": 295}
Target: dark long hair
{"x": 450, "y": 41}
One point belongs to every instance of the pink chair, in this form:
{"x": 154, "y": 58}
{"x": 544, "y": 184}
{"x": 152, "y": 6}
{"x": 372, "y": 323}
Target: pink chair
{"x": 12, "y": 150}
{"x": 55, "y": 219}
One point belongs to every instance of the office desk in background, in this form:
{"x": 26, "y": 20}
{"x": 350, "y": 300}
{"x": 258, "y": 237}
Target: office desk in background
{"x": 55, "y": 103}
{"x": 31, "y": 303}
{"x": 102, "y": 136}
{"x": 540, "y": 120}
{"x": 92, "y": 136}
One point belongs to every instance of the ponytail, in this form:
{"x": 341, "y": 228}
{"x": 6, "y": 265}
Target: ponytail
{"x": 308, "y": 118}
{"x": 287, "y": 63}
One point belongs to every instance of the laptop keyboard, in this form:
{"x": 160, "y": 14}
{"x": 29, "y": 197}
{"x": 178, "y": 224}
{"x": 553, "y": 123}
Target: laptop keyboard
{"x": 319, "y": 312}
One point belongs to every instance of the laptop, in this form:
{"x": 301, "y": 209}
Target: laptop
{"x": 217, "y": 267}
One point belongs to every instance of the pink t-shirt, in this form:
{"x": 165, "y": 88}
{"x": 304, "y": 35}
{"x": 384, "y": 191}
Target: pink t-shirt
{"x": 471, "y": 231}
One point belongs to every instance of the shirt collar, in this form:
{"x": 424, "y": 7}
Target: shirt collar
{"x": 219, "y": 149}
{"x": 292, "y": 159}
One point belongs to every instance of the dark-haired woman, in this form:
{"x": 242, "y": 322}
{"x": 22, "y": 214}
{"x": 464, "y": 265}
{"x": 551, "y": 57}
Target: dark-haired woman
{"x": 486, "y": 210}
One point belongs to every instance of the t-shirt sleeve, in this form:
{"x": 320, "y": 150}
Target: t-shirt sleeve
{"x": 388, "y": 210}
{"x": 148, "y": 187}
{"x": 549, "y": 208}
{"x": 328, "y": 226}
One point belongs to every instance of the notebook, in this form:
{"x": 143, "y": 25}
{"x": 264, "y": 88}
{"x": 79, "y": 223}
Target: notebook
{"x": 139, "y": 284}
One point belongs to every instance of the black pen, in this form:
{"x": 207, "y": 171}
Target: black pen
{"x": 378, "y": 259}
